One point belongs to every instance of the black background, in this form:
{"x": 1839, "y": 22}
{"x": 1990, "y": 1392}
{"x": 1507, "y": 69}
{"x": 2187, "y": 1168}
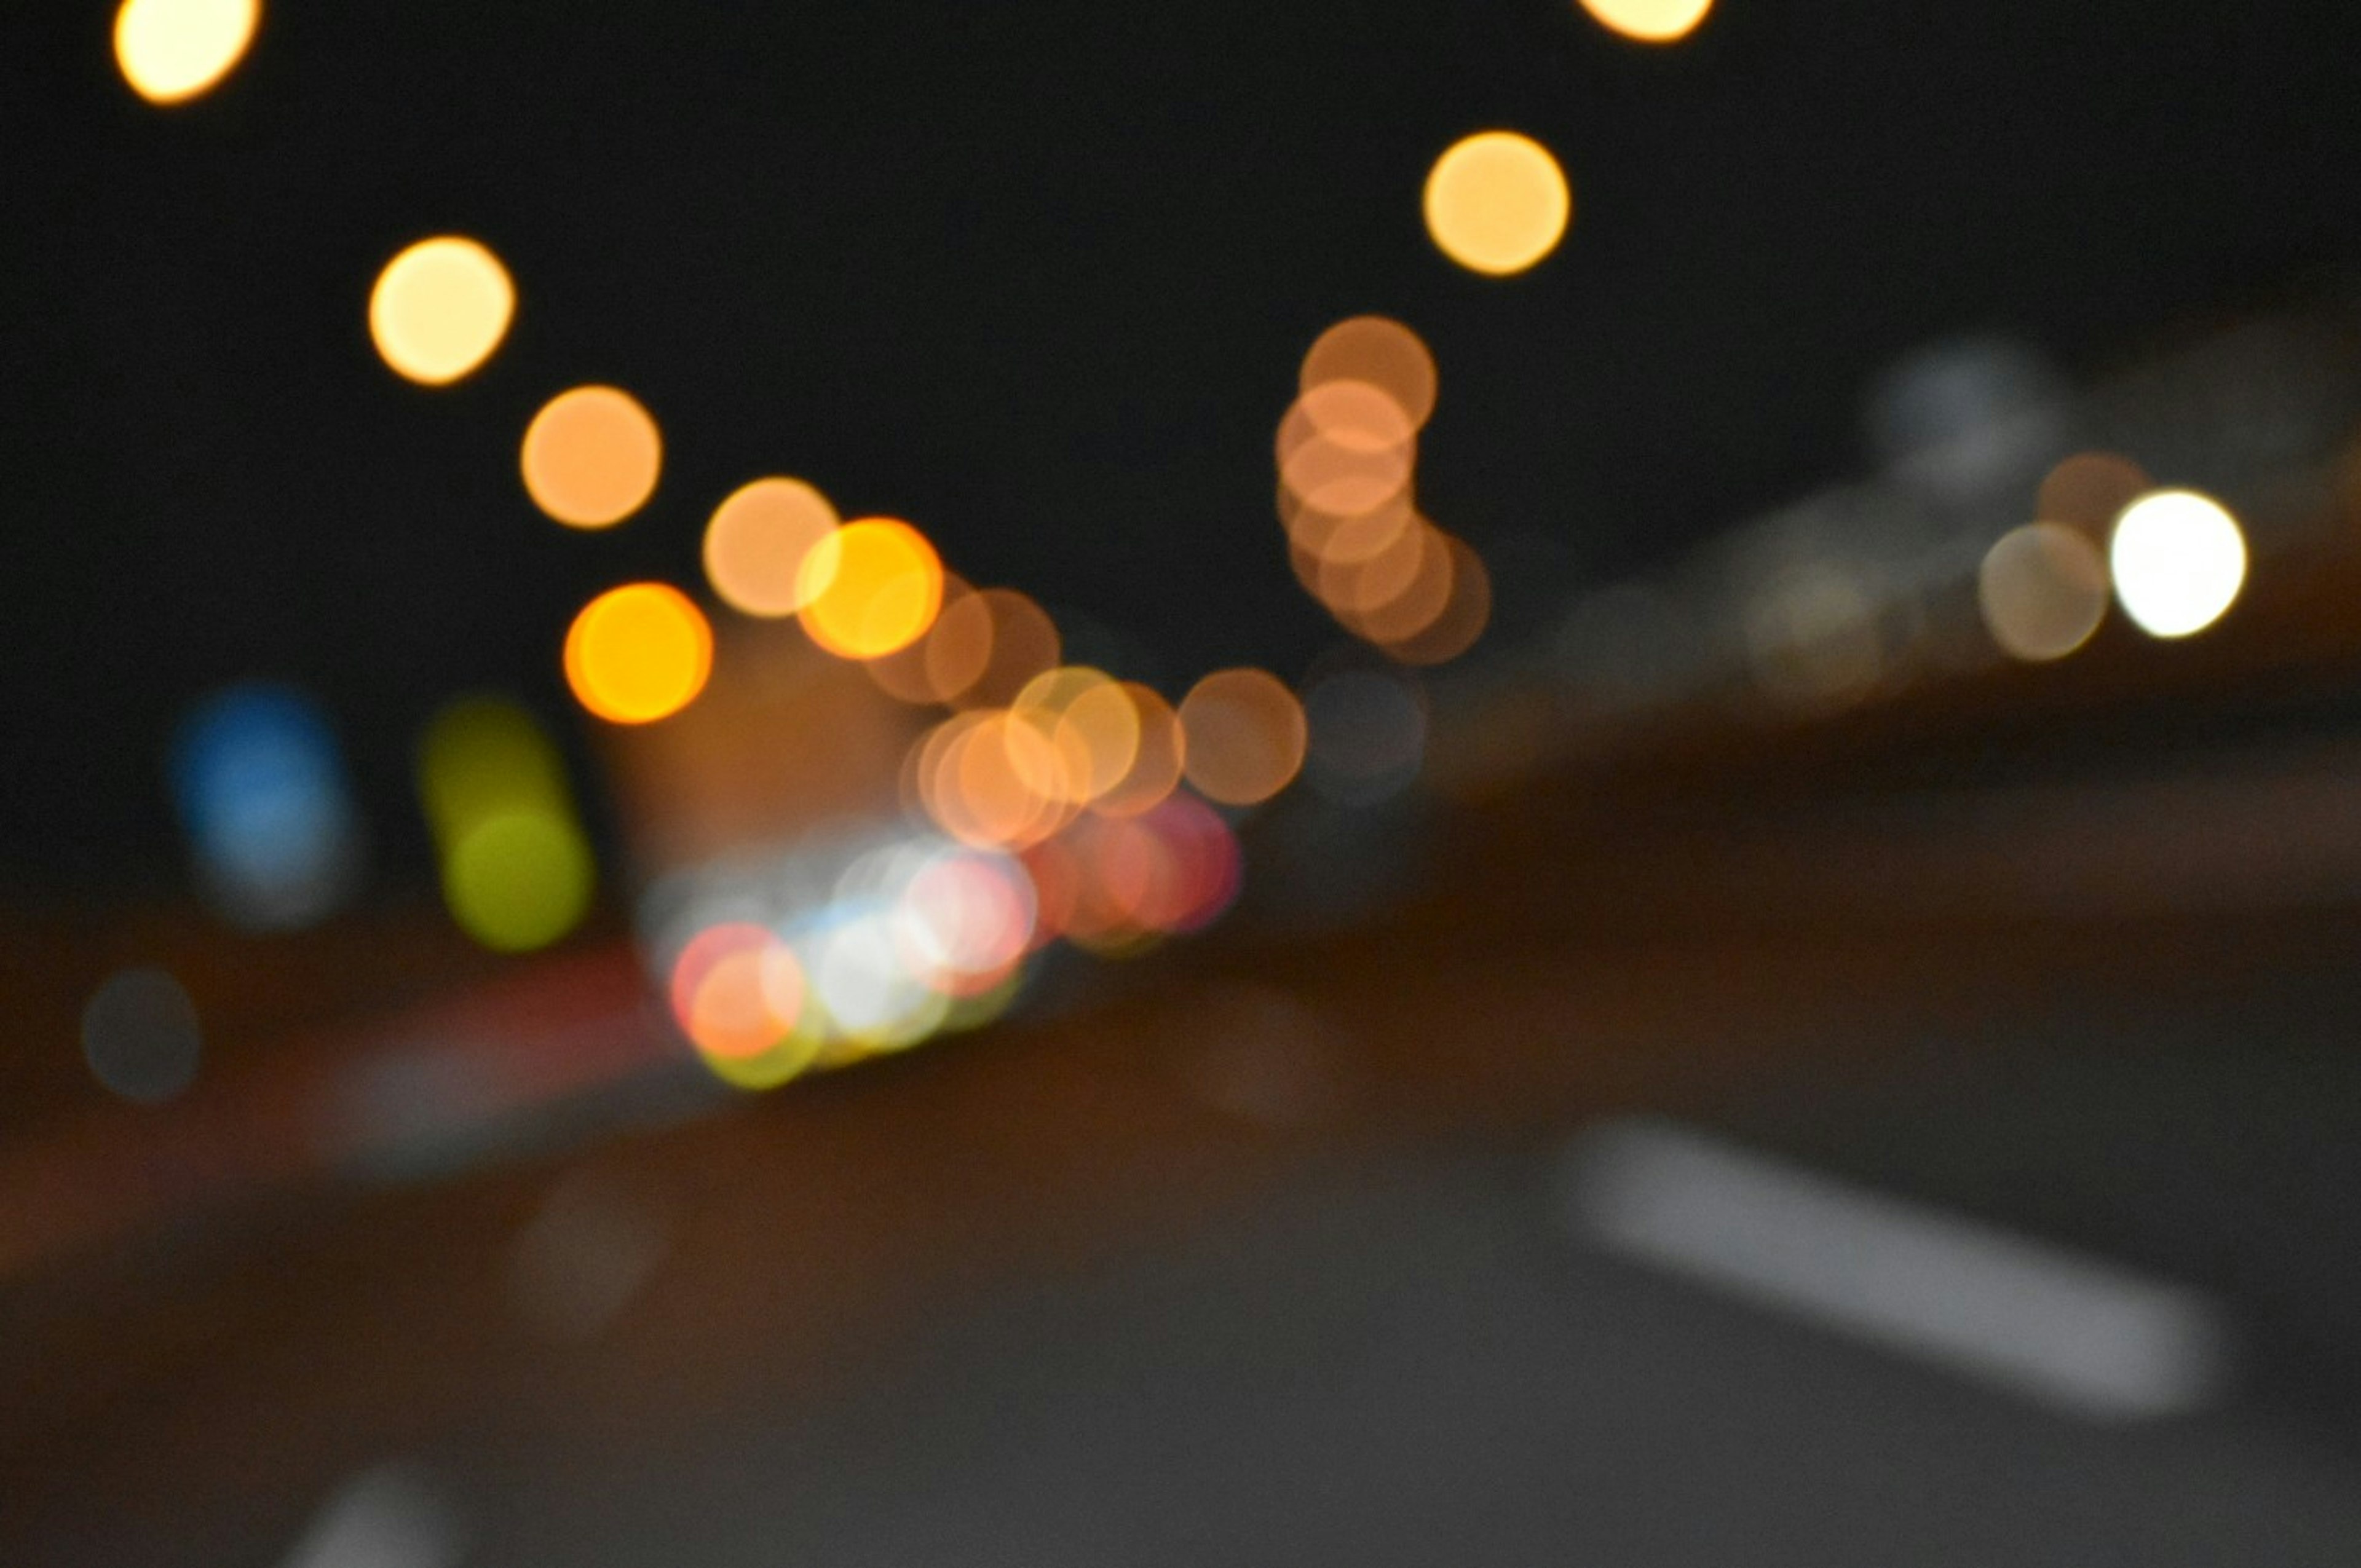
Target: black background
{"x": 1036, "y": 276}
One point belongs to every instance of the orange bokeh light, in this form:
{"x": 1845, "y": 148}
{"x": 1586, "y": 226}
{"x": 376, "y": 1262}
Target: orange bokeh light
{"x": 1379, "y": 351}
{"x": 591, "y": 457}
{"x": 638, "y": 654}
{"x": 947, "y": 660}
{"x": 1497, "y": 202}
{"x": 1155, "y": 761}
{"x": 1245, "y": 734}
{"x": 871, "y": 587}
{"x": 1019, "y": 642}
{"x": 1466, "y": 610}
{"x": 756, "y": 543}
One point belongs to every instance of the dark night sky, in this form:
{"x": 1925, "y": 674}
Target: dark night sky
{"x": 1034, "y": 275}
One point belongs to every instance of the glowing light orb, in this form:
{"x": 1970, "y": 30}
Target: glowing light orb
{"x": 638, "y": 654}
{"x": 1497, "y": 202}
{"x": 756, "y": 543}
{"x": 1380, "y": 352}
{"x": 262, "y": 790}
{"x": 1649, "y": 21}
{"x": 869, "y": 588}
{"x": 440, "y": 307}
{"x": 170, "y": 50}
{"x": 2042, "y": 590}
{"x": 518, "y": 881}
{"x": 591, "y": 457}
{"x": 516, "y": 869}
{"x": 2179, "y": 561}
{"x": 1245, "y": 735}
{"x": 140, "y": 1038}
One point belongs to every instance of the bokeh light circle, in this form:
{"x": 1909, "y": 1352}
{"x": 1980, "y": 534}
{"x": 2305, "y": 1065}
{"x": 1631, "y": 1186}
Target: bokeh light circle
{"x": 170, "y": 50}
{"x": 1497, "y": 202}
{"x": 1649, "y": 21}
{"x": 757, "y": 540}
{"x": 638, "y": 654}
{"x": 1245, "y": 735}
{"x": 591, "y": 457}
{"x": 1379, "y": 351}
{"x": 440, "y": 307}
{"x": 869, "y": 588}
{"x": 519, "y": 879}
{"x": 2179, "y": 561}
{"x": 2042, "y": 590}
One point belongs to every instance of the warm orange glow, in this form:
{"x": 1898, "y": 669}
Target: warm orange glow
{"x": 1021, "y": 642}
{"x": 980, "y": 776}
{"x": 1341, "y": 539}
{"x": 1497, "y": 202}
{"x": 737, "y": 990}
{"x": 1394, "y": 594}
{"x": 440, "y": 307}
{"x": 638, "y": 654}
{"x": 1466, "y": 609}
{"x": 1355, "y": 415}
{"x": 1649, "y": 21}
{"x": 1329, "y": 476}
{"x": 591, "y": 457}
{"x": 2086, "y": 491}
{"x": 869, "y": 588}
{"x": 1381, "y": 352}
{"x": 1155, "y": 769}
{"x": 1091, "y": 728}
{"x": 1244, "y": 736}
{"x": 947, "y": 660}
{"x": 757, "y": 540}
{"x": 170, "y": 50}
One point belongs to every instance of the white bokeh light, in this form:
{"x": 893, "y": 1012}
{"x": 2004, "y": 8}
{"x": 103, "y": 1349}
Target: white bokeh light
{"x": 2179, "y": 561}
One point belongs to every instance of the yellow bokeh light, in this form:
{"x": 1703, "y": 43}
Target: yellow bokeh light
{"x": 1244, "y": 736}
{"x": 870, "y": 587}
{"x": 440, "y": 307}
{"x": 170, "y": 50}
{"x": 517, "y": 869}
{"x": 1649, "y": 21}
{"x": 591, "y": 457}
{"x": 1497, "y": 202}
{"x": 638, "y": 654}
{"x": 518, "y": 881}
{"x": 2042, "y": 590}
{"x": 756, "y": 543}
{"x": 2179, "y": 561}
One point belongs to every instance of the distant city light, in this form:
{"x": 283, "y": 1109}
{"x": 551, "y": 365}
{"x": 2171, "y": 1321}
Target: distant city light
{"x": 1245, "y": 735}
{"x": 869, "y": 588}
{"x": 638, "y": 654}
{"x": 171, "y": 50}
{"x": 1497, "y": 202}
{"x": 2089, "y": 489}
{"x": 1649, "y": 21}
{"x": 756, "y": 542}
{"x": 2043, "y": 590}
{"x": 261, "y": 788}
{"x": 1156, "y": 763}
{"x": 591, "y": 457}
{"x": 2179, "y": 561}
{"x": 440, "y": 307}
{"x": 517, "y": 871}
{"x": 1380, "y": 352}
{"x": 139, "y": 1036}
